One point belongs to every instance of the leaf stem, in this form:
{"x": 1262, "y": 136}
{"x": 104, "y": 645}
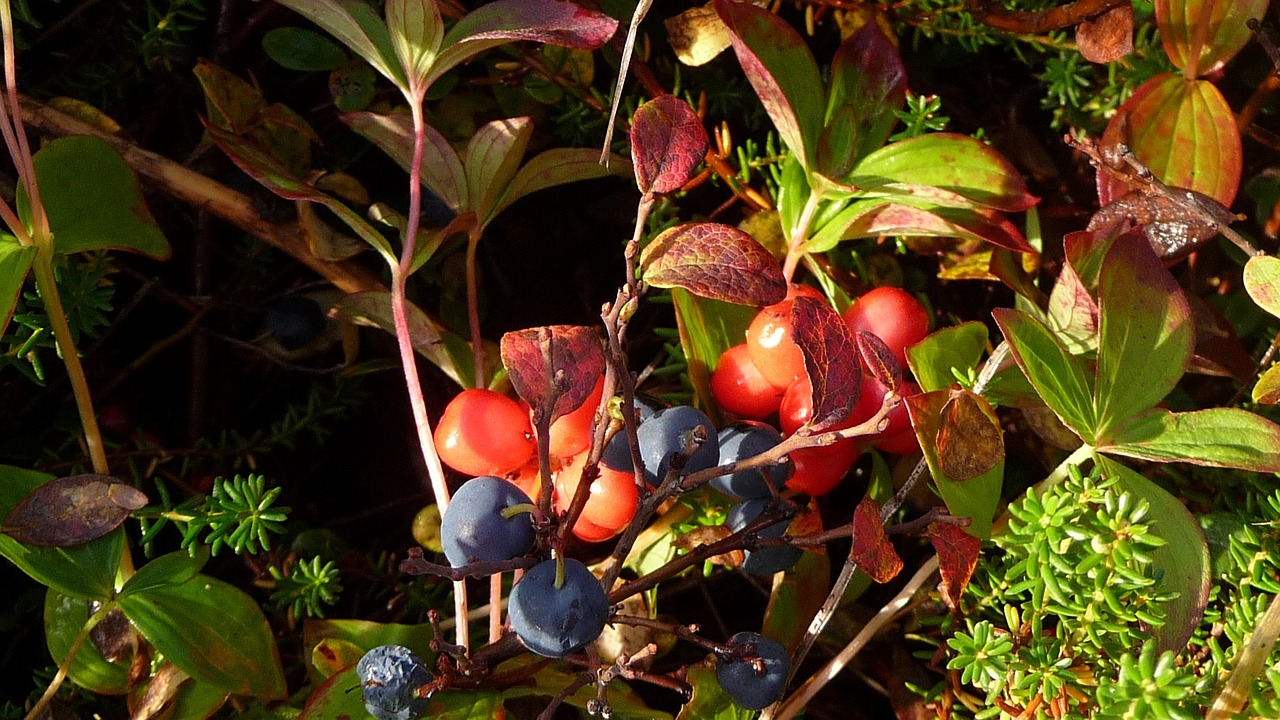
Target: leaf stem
{"x": 799, "y": 234}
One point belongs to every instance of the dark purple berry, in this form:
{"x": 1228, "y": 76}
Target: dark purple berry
{"x": 769, "y": 560}
{"x": 474, "y": 529}
{"x": 744, "y": 440}
{"x": 557, "y": 621}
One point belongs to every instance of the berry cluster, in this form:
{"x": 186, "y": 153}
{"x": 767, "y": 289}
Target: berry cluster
{"x": 766, "y": 376}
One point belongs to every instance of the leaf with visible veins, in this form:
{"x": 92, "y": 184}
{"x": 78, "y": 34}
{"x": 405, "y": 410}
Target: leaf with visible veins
{"x": 879, "y": 360}
{"x": 830, "y": 358}
{"x": 576, "y": 363}
{"x": 667, "y": 143}
{"x": 957, "y": 557}
{"x": 871, "y": 549}
{"x": 72, "y": 510}
{"x": 714, "y": 261}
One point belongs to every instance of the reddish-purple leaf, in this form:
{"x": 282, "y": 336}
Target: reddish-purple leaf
{"x": 957, "y": 557}
{"x": 830, "y": 358}
{"x": 969, "y": 439}
{"x": 72, "y": 510}
{"x": 867, "y": 74}
{"x": 715, "y": 261}
{"x": 879, "y": 360}
{"x": 1107, "y": 37}
{"x": 871, "y": 549}
{"x": 667, "y": 143}
{"x": 553, "y": 368}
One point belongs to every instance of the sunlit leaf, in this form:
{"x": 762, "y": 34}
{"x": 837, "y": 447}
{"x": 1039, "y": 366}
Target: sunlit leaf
{"x": 64, "y": 618}
{"x": 1175, "y": 226}
{"x": 959, "y": 347}
{"x": 1180, "y": 21}
{"x": 554, "y": 368}
{"x": 1220, "y": 437}
{"x": 1072, "y": 312}
{"x": 957, "y": 557}
{"x": 442, "y": 170}
{"x": 1058, "y": 377}
{"x": 1267, "y": 389}
{"x": 779, "y": 65}
{"x": 830, "y": 358}
{"x": 955, "y": 163}
{"x": 969, "y": 440}
{"x": 1184, "y": 131}
{"x": 873, "y": 218}
{"x": 975, "y": 498}
{"x": 707, "y": 328}
{"x": 1262, "y": 281}
{"x": 359, "y": 28}
{"x": 416, "y": 33}
{"x": 714, "y": 261}
{"x": 1145, "y": 334}
{"x": 169, "y": 569}
{"x": 879, "y": 360}
{"x": 559, "y": 166}
{"x": 867, "y": 76}
{"x": 871, "y": 549}
{"x": 710, "y": 701}
{"x": 1107, "y": 37}
{"x": 492, "y": 158}
{"x": 667, "y": 143}
{"x": 697, "y": 35}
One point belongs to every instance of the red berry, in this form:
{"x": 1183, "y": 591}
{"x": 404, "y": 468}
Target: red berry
{"x": 611, "y": 505}
{"x": 738, "y": 386}
{"x": 571, "y": 433}
{"x": 769, "y": 341}
{"x": 484, "y": 433}
{"x": 892, "y": 314}
{"x": 820, "y": 469}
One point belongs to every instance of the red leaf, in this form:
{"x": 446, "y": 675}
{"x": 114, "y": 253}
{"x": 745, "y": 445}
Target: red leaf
{"x": 957, "y": 557}
{"x": 714, "y": 261}
{"x": 667, "y": 143}
{"x": 871, "y": 549}
{"x": 879, "y": 360}
{"x": 830, "y": 358}
{"x": 1107, "y": 37}
{"x": 576, "y": 363}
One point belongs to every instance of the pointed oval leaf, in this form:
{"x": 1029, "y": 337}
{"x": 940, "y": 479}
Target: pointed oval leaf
{"x": 357, "y": 26}
{"x": 1179, "y": 21}
{"x": 879, "y": 359}
{"x": 303, "y": 50}
{"x": 969, "y": 440}
{"x": 560, "y": 166}
{"x": 714, "y": 261}
{"x": 1267, "y": 389}
{"x": 576, "y": 358}
{"x": 830, "y": 358}
{"x": 1184, "y": 131}
{"x": 1073, "y": 313}
{"x": 975, "y": 498}
{"x": 1145, "y": 333}
{"x": 1057, "y": 376}
{"x": 871, "y": 549}
{"x": 15, "y": 263}
{"x": 93, "y": 199}
{"x": 957, "y": 348}
{"x": 667, "y": 143}
{"x": 867, "y": 76}
{"x": 416, "y": 33}
{"x": 169, "y": 569}
{"x": 64, "y": 618}
{"x": 442, "y": 170}
{"x": 72, "y": 510}
{"x": 1217, "y": 437}
{"x": 546, "y": 21}
{"x": 780, "y": 67}
{"x": 956, "y": 163}
{"x": 872, "y": 218}
{"x": 213, "y": 632}
{"x": 1262, "y": 281}
{"x": 837, "y": 148}
{"x": 493, "y": 156}
{"x": 957, "y": 557}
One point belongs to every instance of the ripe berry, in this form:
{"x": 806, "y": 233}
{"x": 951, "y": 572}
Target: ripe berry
{"x": 744, "y": 440}
{"x": 474, "y": 528}
{"x": 484, "y": 433}
{"x": 556, "y": 621}
{"x": 769, "y": 342}
{"x": 820, "y": 469}
{"x": 739, "y": 388}
{"x": 754, "y": 687}
{"x": 570, "y": 434}
{"x": 393, "y": 681}
{"x": 892, "y": 314}
{"x": 610, "y": 506}
{"x": 670, "y": 432}
{"x": 764, "y": 561}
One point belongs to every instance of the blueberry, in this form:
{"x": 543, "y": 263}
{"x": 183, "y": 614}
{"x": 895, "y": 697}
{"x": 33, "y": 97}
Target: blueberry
{"x": 668, "y": 433}
{"x": 392, "y": 678}
{"x": 752, "y": 687}
{"x": 294, "y": 321}
{"x": 473, "y": 528}
{"x": 743, "y": 440}
{"x": 617, "y": 455}
{"x": 556, "y": 621}
{"x": 765, "y": 561}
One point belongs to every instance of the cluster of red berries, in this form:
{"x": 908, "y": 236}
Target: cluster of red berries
{"x": 766, "y": 376}
{"x": 482, "y": 432}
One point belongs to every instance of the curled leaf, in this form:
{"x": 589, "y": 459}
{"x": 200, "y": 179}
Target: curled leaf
{"x": 830, "y": 358}
{"x": 1174, "y": 227}
{"x": 667, "y": 143}
{"x": 957, "y": 557}
{"x": 969, "y": 440}
{"x": 871, "y": 549}
{"x": 714, "y": 261}
{"x": 553, "y": 368}
{"x": 72, "y": 510}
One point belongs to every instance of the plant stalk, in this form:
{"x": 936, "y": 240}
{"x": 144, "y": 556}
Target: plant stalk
{"x": 65, "y": 666}
{"x": 799, "y": 234}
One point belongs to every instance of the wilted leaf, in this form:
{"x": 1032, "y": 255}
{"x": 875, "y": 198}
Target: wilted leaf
{"x": 1184, "y": 131}
{"x": 72, "y": 510}
{"x": 959, "y": 347}
{"x": 871, "y": 549}
{"x": 708, "y": 535}
{"x": 1057, "y": 376}
{"x": 969, "y": 440}
{"x": 697, "y": 35}
{"x": 957, "y": 557}
{"x": 714, "y": 261}
{"x": 1173, "y": 228}
{"x": 831, "y": 359}
{"x": 1106, "y": 37}
{"x": 975, "y": 498}
{"x": 867, "y": 75}
{"x": 1182, "y": 22}
{"x": 1219, "y": 437}
{"x": 667, "y": 143}
{"x": 576, "y": 359}
{"x": 879, "y": 360}
{"x": 1262, "y": 281}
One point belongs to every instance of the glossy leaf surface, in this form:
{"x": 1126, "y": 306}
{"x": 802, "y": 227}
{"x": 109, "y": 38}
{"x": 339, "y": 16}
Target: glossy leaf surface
{"x": 1267, "y": 390}
{"x": 493, "y": 156}
{"x": 1221, "y": 437}
{"x": 1262, "y": 281}
{"x": 872, "y": 218}
{"x": 1058, "y": 377}
{"x": 714, "y": 261}
{"x": 416, "y": 32}
{"x": 64, "y": 618}
{"x": 959, "y": 347}
{"x": 554, "y": 368}
{"x": 957, "y": 164}
{"x": 830, "y": 359}
{"x": 667, "y": 143}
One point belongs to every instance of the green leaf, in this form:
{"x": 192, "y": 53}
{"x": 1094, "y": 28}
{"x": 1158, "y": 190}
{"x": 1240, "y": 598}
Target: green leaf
{"x": 959, "y": 347}
{"x": 493, "y": 156}
{"x": 975, "y": 498}
{"x": 64, "y": 618}
{"x": 875, "y": 217}
{"x": 710, "y": 701}
{"x": 1220, "y": 437}
{"x": 1267, "y": 389}
{"x": 1180, "y": 21}
{"x": 358, "y": 27}
{"x": 1262, "y": 281}
{"x": 958, "y": 164}
{"x": 366, "y": 635}
{"x": 1184, "y": 131}
{"x": 779, "y": 65}
{"x": 624, "y": 703}
{"x": 442, "y": 170}
{"x": 560, "y": 166}
{"x": 416, "y": 34}
{"x": 868, "y": 77}
{"x": 1058, "y": 377}
{"x": 429, "y": 337}
{"x": 1181, "y": 564}
{"x": 708, "y": 328}
{"x": 333, "y": 699}
{"x": 302, "y": 49}
{"x": 213, "y": 632}
{"x": 84, "y": 571}
{"x": 196, "y": 700}
{"x": 93, "y": 199}
{"x": 1145, "y": 334}
{"x": 172, "y": 568}
{"x": 15, "y": 263}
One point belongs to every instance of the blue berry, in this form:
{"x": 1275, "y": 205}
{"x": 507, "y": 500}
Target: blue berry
{"x": 393, "y": 680}
{"x": 669, "y": 432}
{"x": 751, "y": 687}
{"x": 743, "y": 440}
{"x": 294, "y": 321}
{"x": 765, "y": 561}
{"x": 556, "y": 621}
{"x": 473, "y": 528}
